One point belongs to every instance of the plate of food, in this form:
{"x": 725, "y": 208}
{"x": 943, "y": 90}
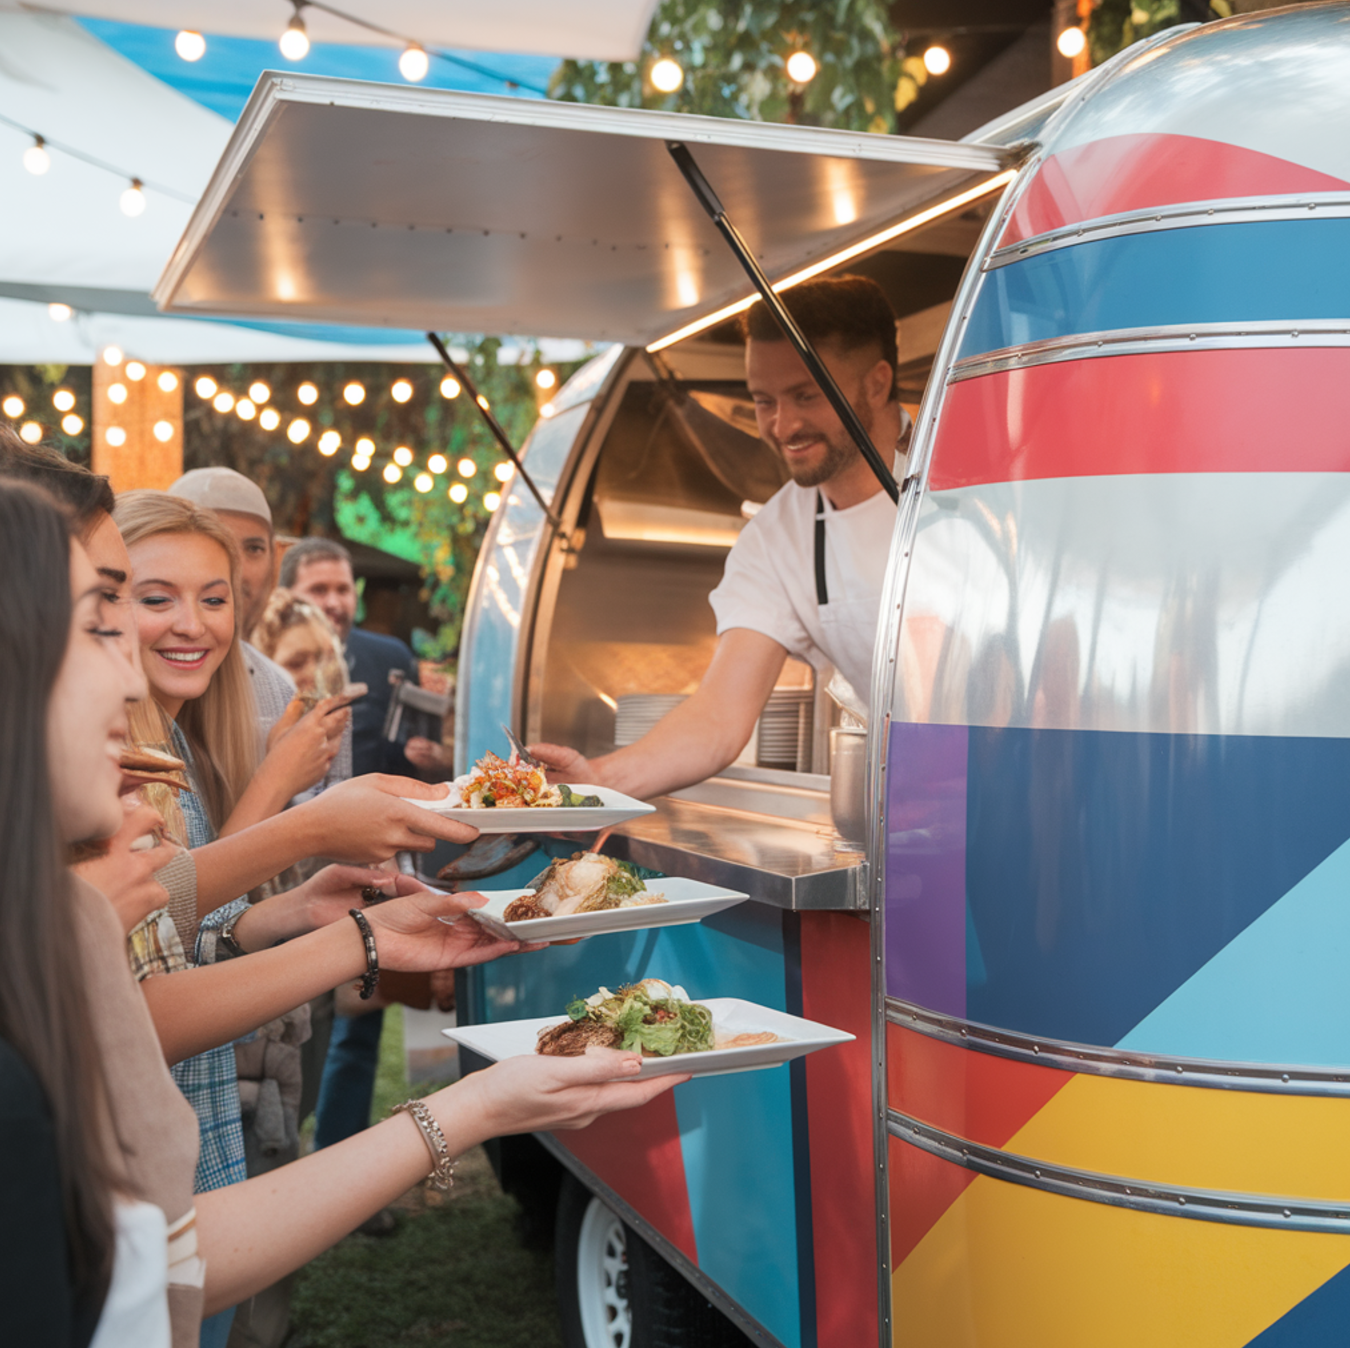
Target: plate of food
{"x": 588, "y": 894}
{"x": 674, "y": 1034}
{"x": 506, "y": 795}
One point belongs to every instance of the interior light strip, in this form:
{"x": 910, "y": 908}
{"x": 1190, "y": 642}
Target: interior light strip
{"x": 994, "y": 184}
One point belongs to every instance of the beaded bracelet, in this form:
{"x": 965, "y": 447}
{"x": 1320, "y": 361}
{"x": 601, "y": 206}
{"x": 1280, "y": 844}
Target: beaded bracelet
{"x": 371, "y": 978}
{"x": 442, "y": 1175}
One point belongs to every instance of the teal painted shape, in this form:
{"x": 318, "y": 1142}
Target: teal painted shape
{"x": 735, "y": 1131}
{"x": 1278, "y": 992}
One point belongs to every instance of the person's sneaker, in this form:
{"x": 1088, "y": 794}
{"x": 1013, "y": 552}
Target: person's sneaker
{"x": 383, "y": 1223}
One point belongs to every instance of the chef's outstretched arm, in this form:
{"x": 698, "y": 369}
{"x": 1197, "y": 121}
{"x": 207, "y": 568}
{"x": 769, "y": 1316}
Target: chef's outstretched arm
{"x": 696, "y": 740}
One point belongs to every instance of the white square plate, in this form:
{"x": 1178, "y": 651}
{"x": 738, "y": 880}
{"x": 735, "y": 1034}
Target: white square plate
{"x": 614, "y": 808}
{"x": 731, "y": 1015}
{"x": 686, "y": 901}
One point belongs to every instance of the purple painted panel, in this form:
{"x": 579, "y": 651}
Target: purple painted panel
{"x": 926, "y": 866}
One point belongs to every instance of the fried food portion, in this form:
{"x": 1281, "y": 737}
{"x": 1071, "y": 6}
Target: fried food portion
{"x": 572, "y": 1038}
{"x": 525, "y": 909}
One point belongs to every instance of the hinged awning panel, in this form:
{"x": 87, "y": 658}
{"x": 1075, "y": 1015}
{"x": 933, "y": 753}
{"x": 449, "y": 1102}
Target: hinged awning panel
{"x": 381, "y": 205}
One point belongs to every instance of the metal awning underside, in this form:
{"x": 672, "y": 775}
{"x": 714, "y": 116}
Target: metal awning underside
{"x": 383, "y": 205}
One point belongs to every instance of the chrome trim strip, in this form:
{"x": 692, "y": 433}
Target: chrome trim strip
{"x": 675, "y": 1257}
{"x": 1066, "y": 1056}
{"x": 1227, "y": 211}
{"x": 1261, "y": 334}
{"x": 1205, "y": 1205}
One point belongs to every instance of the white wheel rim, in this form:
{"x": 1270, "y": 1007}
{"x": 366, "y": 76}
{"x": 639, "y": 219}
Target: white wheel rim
{"x": 602, "y": 1279}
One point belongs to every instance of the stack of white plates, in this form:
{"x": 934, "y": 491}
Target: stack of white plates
{"x": 785, "y": 730}
{"x": 637, "y": 713}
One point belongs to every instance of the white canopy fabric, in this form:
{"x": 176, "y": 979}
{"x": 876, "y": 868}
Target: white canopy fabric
{"x": 600, "y": 30}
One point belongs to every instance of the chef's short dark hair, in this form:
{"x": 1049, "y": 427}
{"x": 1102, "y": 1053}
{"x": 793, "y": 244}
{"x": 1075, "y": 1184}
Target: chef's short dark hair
{"x": 851, "y": 310}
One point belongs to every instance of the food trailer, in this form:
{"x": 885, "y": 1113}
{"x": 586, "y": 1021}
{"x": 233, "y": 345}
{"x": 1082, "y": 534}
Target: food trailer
{"x": 1093, "y": 943}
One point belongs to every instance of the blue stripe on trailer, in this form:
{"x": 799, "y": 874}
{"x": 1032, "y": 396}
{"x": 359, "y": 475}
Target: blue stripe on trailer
{"x": 1270, "y": 270}
{"x": 1318, "y": 1320}
{"x": 1104, "y": 868}
{"x": 1277, "y": 993}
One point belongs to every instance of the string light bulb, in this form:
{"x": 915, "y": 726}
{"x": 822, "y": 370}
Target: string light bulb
{"x": 12, "y": 406}
{"x": 30, "y": 432}
{"x": 135, "y": 371}
{"x": 223, "y": 401}
{"x": 163, "y": 431}
{"x": 438, "y": 463}
{"x": 667, "y": 75}
{"x": 1072, "y": 42}
{"x": 72, "y": 424}
{"x": 458, "y": 493}
{"x": 294, "y": 41}
{"x": 190, "y": 45}
{"x": 547, "y": 410}
{"x": 63, "y": 400}
{"x": 491, "y": 500}
{"x": 403, "y": 456}
{"x": 801, "y": 67}
{"x": 329, "y": 443}
{"x": 365, "y": 447}
{"x": 36, "y": 159}
{"x": 483, "y": 402}
{"x": 413, "y": 64}
{"x": 391, "y": 473}
{"x": 117, "y": 393}
{"x": 401, "y": 391}
{"x": 115, "y": 436}
{"x": 307, "y": 393}
{"x": 354, "y": 394}
{"x": 298, "y": 431}
{"x": 112, "y": 355}
{"x": 502, "y": 472}
{"x": 58, "y": 312}
{"x": 360, "y": 462}
{"x": 424, "y": 482}
{"x": 269, "y": 418}
{"x": 246, "y": 409}
{"x": 467, "y": 467}
{"x": 167, "y": 381}
{"x": 132, "y": 200}
{"x": 545, "y": 379}
{"x": 259, "y": 392}
{"x": 937, "y": 60}
{"x": 449, "y": 387}
{"x": 205, "y": 386}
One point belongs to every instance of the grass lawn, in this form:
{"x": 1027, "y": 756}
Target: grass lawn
{"x": 453, "y": 1275}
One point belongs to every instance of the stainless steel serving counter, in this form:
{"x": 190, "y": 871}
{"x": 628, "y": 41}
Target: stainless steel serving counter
{"x": 788, "y": 863}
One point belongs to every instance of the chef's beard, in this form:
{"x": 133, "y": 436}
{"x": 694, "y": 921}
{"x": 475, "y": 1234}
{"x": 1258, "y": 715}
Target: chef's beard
{"x": 840, "y": 454}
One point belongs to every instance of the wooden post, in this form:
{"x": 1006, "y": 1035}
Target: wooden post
{"x": 137, "y": 422}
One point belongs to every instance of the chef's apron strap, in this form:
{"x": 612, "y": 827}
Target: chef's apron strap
{"x": 822, "y": 590}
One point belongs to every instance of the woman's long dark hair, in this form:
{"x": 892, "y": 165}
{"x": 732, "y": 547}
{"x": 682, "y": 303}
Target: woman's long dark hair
{"x": 44, "y": 1014}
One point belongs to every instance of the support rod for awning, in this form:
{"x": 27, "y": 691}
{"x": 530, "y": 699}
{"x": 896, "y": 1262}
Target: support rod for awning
{"x": 709, "y": 200}
{"x": 494, "y": 426}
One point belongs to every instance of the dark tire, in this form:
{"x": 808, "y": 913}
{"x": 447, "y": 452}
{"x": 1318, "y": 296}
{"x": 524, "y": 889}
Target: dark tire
{"x": 615, "y": 1291}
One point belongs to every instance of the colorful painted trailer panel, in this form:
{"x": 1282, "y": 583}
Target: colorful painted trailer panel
{"x": 1117, "y": 771}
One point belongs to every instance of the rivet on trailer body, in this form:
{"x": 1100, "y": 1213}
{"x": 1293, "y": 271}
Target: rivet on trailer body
{"x": 1179, "y": 1069}
{"x": 1036, "y": 1048}
{"x": 1181, "y": 1199}
{"x": 1284, "y": 1076}
{"x": 1287, "y": 1213}
{"x": 1037, "y": 1173}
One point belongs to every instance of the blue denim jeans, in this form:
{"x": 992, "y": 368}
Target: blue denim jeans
{"x": 216, "y": 1329}
{"x": 348, "y": 1078}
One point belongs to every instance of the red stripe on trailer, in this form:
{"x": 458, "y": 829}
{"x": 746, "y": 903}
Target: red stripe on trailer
{"x": 977, "y": 1096}
{"x": 637, "y": 1153}
{"x": 836, "y": 949}
{"x": 1163, "y": 412}
{"x": 1130, "y": 173}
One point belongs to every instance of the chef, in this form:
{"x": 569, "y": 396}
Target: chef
{"x": 805, "y": 575}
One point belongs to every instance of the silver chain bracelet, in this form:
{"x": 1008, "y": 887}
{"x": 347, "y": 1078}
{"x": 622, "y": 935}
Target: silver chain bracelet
{"x": 442, "y": 1175}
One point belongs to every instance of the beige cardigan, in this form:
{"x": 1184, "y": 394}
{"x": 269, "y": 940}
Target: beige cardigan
{"x": 155, "y": 1128}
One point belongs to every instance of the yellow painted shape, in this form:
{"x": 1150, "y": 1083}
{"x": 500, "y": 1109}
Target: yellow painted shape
{"x": 1012, "y": 1267}
{"x": 1290, "y": 1146}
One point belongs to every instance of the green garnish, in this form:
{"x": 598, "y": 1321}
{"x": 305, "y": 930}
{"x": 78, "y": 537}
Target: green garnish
{"x": 655, "y": 1025}
{"x": 570, "y": 800}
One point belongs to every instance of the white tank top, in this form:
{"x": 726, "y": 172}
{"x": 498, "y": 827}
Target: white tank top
{"x": 136, "y": 1310}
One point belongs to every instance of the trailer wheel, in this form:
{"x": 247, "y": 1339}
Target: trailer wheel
{"x": 615, "y": 1291}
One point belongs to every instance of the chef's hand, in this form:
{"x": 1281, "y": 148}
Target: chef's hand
{"x": 125, "y": 873}
{"x": 536, "y": 1093}
{"x": 565, "y": 766}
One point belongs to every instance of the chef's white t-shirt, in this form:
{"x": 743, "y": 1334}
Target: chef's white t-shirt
{"x": 769, "y": 584}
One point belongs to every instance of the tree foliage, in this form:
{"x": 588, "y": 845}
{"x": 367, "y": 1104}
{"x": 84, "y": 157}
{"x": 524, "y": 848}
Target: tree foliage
{"x": 1117, "y": 24}
{"x": 734, "y": 52}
